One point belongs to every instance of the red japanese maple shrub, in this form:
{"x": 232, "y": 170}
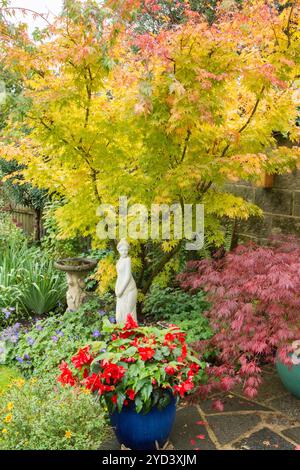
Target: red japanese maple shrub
{"x": 255, "y": 313}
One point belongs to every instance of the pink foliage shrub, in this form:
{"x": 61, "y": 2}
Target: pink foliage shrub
{"x": 255, "y": 295}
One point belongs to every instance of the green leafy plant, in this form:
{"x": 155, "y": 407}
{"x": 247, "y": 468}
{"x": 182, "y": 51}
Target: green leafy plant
{"x": 7, "y": 374}
{"x": 39, "y": 349}
{"x": 35, "y": 415}
{"x": 52, "y": 243}
{"x": 28, "y": 280}
{"x": 13, "y": 257}
{"x": 44, "y": 287}
{"x": 184, "y": 309}
{"x": 9, "y": 232}
{"x": 136, "y": 366}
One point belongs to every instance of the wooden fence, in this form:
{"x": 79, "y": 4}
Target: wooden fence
{"x": 24, "y": 218}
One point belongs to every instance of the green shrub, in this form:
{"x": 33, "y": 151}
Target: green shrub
{"x": 12, "y": 272}
{"x": 181, "y": 308}
{"x": 44, "y": 287}
{"x": 40, "y": 415}
{"x": 40, "y": 348}
{"x": 9, "y": 232}
{"x": 52, "y": 243}
{"x": 6, "y": 376}
{"x": 28, "y": 280}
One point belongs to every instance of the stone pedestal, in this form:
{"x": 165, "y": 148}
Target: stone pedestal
{"x": 76, "y": 270}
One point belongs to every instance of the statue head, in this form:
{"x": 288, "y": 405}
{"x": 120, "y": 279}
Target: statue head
{"x": 123, "y": 248}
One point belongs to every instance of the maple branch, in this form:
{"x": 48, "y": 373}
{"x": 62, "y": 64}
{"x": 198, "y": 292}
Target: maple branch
{"x": 252, "y": 112}
{"x": 244, "y": 126}
{"x": 50, "y": 129}
{"x": 4, "y": 33}
{"x": 93, "y": 172}
{"x": 88, "y": 85}
{"x": 174, "y": 63}
{"x": 191, "y": 47}
{"x": 287, "y": 31}
{"x": 275, "y": 34}
{"x": 202, "y": 187}
{"x": 144, "y": 264}
{"x": 69, "y": 35}
{"x": 35, "y": 13}
{"x": 78, "y": 149}
{"x": 185, "y": 145}
{"x": 159, "y": 267}
{"x": 168, "y": 256}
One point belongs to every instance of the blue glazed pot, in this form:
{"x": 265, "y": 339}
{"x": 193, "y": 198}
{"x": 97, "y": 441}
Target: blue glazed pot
{"x": 290, "y": 377}
{"x": 139, "y": 431}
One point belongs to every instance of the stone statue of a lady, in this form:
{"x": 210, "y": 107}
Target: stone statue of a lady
{"x": 125, "y": 289}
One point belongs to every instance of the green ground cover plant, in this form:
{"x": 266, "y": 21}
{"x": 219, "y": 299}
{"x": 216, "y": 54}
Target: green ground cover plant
{"x": 176, "y": 306}
{"x": 38, "y": 415}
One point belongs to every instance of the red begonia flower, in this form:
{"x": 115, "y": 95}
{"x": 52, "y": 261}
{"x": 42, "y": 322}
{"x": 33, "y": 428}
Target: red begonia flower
{"x": 146, "y": 353}
{"x": 66, "y": 376}
{"x": 170, "y": 370}
{"x": 82, "y": 358}
{"x": 130, "y": 324}
{"x": 131, "y": 394}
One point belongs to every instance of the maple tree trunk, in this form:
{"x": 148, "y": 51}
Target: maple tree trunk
{"x": 166, "y": 258}
{"x": 146, "y": 278}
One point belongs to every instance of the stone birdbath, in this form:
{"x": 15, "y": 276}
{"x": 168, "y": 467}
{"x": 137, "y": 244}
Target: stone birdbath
{"x": 76, "y": 270}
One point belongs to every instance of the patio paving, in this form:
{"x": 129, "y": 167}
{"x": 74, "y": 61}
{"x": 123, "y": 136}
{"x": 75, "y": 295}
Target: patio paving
{"x": 270, "y": 422}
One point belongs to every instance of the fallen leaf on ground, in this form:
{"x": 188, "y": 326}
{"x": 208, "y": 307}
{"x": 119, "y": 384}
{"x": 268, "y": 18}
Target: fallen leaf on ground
{"x": 218, "y": 405}
{"x": 266, "y": 443}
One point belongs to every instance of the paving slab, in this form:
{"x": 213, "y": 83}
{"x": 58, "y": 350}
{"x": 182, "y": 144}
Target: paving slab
{"x": 110, "y": 444}
{"x": 229, "y": 427}
{"x": 187, "y": 428}
{"x": 264, "y": 439}
{"x": 279, "y": 421}
{"x": 271, "y": 387}
{"x": 293, "y": 433}
{"x": 232, "y": 403}
{"x": 287, "y": 404}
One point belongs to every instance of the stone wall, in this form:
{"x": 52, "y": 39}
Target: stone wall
{"x": 281, "y": 206}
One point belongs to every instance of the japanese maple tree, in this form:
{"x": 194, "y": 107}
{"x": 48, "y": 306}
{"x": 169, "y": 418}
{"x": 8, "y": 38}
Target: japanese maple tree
{"x": 255, "y": 314}
{"x": 158, "y": 117}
